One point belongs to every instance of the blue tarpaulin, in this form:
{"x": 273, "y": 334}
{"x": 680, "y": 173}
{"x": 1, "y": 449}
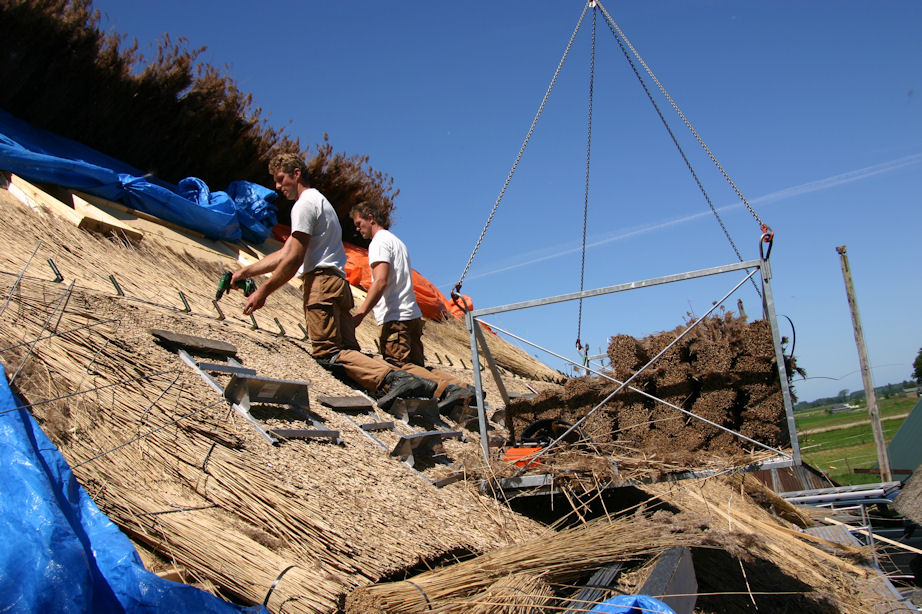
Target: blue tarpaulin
{"x": 632, "y": 604}
{"x": 58, "y": 551}
{"x": 245, "y": 211}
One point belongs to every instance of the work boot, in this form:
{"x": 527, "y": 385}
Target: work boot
{"x": 403, "y": 385}
{"x": 455, "y": 394}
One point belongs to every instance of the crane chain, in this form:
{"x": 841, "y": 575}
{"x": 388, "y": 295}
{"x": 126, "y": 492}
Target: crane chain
{"x": 457, "y": 289}
{"x": 766, "y": 231}
{"x": 675, "y": 106}
{"x": 582, "y": 266}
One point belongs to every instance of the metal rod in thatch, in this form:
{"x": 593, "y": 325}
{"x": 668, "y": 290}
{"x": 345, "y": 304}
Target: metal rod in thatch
{"x": 64, "y": 299}
{"x": 149, "y": 433}
{"x": 19, "y": 278}
{"x": 59, "y": 333}
{"x": 96, "y": 389}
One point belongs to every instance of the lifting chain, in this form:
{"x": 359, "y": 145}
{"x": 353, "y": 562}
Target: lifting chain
{"x": 621, "y": 36}
{"x": 582, "y": 265}
{"x": 456, "y": 291}
{"x": 622, "y": 40}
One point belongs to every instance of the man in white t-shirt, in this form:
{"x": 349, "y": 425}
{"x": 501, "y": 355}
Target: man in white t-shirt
{"x": 392, "y": 299}
{"x": 314, "y": 252}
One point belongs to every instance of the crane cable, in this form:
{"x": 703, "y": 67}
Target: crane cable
{"x": 456, "y": 291}
{"x": 766, "y": 230}
{"x": 622, "y": 40}
{"x": 582, "y": 266}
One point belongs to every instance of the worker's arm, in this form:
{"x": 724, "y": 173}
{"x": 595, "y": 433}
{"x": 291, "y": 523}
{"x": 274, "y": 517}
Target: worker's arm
{"x": 290, "y": 258}
{"x": 260, "y": 267}
{"x": 380, "y": 272}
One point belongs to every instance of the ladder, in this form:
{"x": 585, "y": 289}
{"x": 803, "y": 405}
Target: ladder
{"x": 246, "y": 390}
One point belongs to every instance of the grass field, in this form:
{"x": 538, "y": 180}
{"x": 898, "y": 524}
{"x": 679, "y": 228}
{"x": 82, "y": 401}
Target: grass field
{"x": 837, "y": 444}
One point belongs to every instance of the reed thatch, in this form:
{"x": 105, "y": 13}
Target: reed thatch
{"x": 162, "y": 455}
{"x": 189, "y": 481}
{"x": 746, "y": 559}
{"x": 557, "y": 557}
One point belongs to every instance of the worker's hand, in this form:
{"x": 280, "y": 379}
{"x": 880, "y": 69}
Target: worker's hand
{"x": 357, "y": 318}
{"x": 239, "y": 275}
{"x": 256, "y": 301}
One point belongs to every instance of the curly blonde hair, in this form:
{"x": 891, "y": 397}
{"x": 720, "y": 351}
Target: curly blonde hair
{"x": 287, "y": 163}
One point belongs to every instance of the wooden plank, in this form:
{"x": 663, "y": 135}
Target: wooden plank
{"x": 167, "y": 232}
{"x": 87, "y": 218}
{"x": 673, "y": 580}
{"x": 91, "y": 211}
{"x": 40, "y": 201}
{"x": 190, "y": 342}
{"x": 597, "y": 587}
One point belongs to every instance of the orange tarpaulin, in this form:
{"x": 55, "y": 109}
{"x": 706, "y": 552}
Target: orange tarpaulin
{"x": 433, "y": 304}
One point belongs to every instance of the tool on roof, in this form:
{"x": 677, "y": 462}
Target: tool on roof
{"x": 224, "y": 285}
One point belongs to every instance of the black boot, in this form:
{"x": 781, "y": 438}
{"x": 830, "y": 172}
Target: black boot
{"x": 402, "y": 385}
{"x": 453, "y": 395}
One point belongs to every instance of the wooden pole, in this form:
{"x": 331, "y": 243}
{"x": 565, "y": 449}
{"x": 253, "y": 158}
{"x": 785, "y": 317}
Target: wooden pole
{"x": 882, "y": 459}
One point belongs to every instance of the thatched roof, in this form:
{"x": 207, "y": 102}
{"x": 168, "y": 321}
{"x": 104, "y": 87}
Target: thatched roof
{"x": 909, "y": 501}
{"x": 162, "y": 455}
{"x": 201, "y": 493}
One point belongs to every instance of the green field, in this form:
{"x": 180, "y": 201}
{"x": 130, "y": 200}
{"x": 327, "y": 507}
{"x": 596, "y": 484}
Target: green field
{"x": 847, "y": 446}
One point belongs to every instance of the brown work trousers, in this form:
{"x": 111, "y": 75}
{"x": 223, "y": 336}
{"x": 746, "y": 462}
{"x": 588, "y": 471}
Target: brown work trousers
{"x": 327, "y": 305}
{"x": 402, "y": 345}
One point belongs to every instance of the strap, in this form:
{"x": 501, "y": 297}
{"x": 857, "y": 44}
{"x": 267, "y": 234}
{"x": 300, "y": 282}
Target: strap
{"x": 274, "y": 584}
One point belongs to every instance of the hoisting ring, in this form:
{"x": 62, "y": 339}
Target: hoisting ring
{"x": 768, "y": 236}
{"x": 462, "y": 303}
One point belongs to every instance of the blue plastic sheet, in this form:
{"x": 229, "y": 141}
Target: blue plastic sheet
{"x": 40, "y": 156}
{"x": 58, "y": 551}
{"x": 632, "y": 604}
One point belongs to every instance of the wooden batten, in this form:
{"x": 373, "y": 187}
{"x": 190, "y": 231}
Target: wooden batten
{"x": 168, "y": 232}
{"x": 91, "y": 211}
{"x": 85, "y": 218}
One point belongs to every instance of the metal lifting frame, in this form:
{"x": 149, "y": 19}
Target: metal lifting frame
{"x": 768, "y": 308}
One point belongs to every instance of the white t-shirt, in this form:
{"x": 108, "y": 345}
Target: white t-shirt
{"x": 398, "y": 302}
{"x": 313, "y": 215}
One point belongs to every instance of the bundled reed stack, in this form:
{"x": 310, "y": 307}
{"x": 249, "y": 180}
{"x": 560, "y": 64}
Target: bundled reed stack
{"x": 522, "y": 593}
{"x": 558, "y": 557}
{"x": 724, "y": 370}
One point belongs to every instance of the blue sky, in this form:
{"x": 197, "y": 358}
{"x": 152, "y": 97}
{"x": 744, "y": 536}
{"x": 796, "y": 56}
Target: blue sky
{"x": 813, "y": 109}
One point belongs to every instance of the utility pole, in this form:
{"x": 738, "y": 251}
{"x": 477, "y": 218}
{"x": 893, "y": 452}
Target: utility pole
{"x": 882, "y": 459}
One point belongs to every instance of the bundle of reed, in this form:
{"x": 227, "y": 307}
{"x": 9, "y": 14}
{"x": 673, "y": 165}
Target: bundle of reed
{"x": 557, "y": 557}
{"x": 723, "y": 503}
{"x": 239, "y": 483}
{"x": 148, "y": 425}
{"x": 240, "y": 566}
{"x": 521, "y": 593}
{"x": 584, "y": 470}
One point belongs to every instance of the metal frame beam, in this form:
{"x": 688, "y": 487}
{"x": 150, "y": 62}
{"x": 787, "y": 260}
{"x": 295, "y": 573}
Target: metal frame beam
{"x": 473, "y": 323}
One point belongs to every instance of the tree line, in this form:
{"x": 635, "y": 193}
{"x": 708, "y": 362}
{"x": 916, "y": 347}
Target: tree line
{"x": 171, "y": 115}
{"x": 858, "y": 396}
